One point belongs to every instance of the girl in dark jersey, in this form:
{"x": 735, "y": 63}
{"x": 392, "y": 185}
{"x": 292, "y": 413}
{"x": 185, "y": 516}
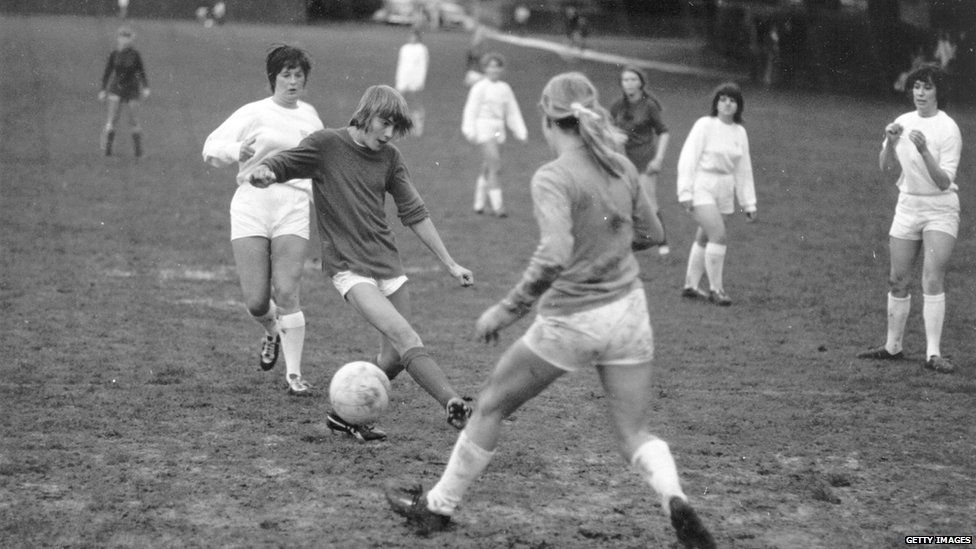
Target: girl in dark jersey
{"x": 638, "y": 114}
{"x": 124, "y": 83}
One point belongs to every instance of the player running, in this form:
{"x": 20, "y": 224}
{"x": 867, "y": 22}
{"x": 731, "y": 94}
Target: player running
{"x": 592, "y": 312}
{"x": 270, "y": 227}
{"x": 352, "y": 170}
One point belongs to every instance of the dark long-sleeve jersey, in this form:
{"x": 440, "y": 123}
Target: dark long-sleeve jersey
{"x": 124, "y": 74}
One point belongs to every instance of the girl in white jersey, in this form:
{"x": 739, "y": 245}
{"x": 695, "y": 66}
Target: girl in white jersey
{"x": 270, "y": 227}
{"x": 411, "y": 77}
{"x": 490, "y": 107}
{"x": 921, "y": 150}
{"x": 714, "y": 169}
{"x": 592, "y": 212}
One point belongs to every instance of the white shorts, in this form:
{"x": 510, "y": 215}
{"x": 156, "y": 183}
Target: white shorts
{"x": 916, "y": 214}
{"x": 616, "y": 334}
{"x": 278, "y": 210}
{"x": 488, "y": 129}
{"x": 715, "y": 189}
{"x": 345, "y": 280}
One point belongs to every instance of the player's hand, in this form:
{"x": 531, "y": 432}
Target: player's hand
{"x": 492, "y": 321}
{"x": 464, "y": 276}
{"x": 752, "y": 217}
{"x": 145, "y": 93}
{"x": 918, "y": 139}
{"x": 262, "y": 177}
{"x": 893, "y": 131}
{"x": 102, "y": 95}
{"x": 247, "y": 149}
{"x": 654, "y": 167}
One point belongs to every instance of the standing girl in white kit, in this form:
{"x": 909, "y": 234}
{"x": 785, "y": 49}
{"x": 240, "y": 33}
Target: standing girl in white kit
{"x": 921, "y": 150}
{"x": 714, "y": 169}
{"x": 270, "y": 227}
{"x": 491, "y": 106}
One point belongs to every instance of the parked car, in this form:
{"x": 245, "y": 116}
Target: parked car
{"x": 436, "y": 13}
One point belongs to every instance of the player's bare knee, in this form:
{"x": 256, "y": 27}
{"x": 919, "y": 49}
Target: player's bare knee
{"x": 403, "y": 339}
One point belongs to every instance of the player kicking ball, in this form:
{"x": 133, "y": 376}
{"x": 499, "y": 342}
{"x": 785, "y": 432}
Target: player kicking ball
{"x": 592, "y": 312}
{"x": 352, "y": 170}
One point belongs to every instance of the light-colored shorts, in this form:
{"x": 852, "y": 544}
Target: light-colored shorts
{"x": 616, "y": 334}
{"x": 488, "y": 129}
{"x": 916, "y": 214}
{"x": 278, "y": 210}
{"x": 716, "y": 189}
{"x": 345, "y": 280}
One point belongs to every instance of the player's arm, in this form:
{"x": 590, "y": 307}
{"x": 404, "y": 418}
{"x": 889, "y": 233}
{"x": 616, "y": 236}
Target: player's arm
{"x": 691, "y": 152}
{"x": 887, "y": 159}
{"x": 106, "y": 74}
{"x": 301, "y": 162}
{"x": 941, "y": 177}
{"x": 648, "y": 230}
{"x": 428, "y": 234}
{"x": 226, "y": 145}
{"x": 745, "y": 186}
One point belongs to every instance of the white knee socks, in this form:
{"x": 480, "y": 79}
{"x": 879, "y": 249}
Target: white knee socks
{"x": 898, "y": 308}
{"x": 480, "y": 194}
{"x": 933, "y": 313}
{"x": 292, "y": 329}
{"x": 468, "y": 461}
{"x": 696, "y": 265}
{"x": 653, "y": 461}
{"x": 495, "y": 197}
{"x": 714, "y": 265}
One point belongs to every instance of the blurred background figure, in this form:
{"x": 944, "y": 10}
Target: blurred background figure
{"x": 577, "y": 27}
{"x": 123, "y": 9}
{"x": 489, "y": 109}
{"x": 638, "y": 114}
{"x": 219, "y": 12}
{"x": 124, "y": 83}
{"x": 521, "y": 16}
{"x": 411, "y": 76}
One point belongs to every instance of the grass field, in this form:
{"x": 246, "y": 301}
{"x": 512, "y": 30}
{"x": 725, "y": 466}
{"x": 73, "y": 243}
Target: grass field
{"x": 134, "y": 415}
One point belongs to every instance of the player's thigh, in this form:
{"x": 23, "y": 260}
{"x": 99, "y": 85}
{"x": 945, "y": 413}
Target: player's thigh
{"x": 380, "y": 312}
{"x": 113, "y": 103}
{"x": 134, "y": 108}
{"x": 649, "y": 184}
{"x": 711, "y": 221}
{"x": 628, "y": 389}
{"x": 252, "y": 256}
{"x": 287, "y": 264}
{"x": 519, "y": 375}
{"x": 490, "y": 153}
{"x": 902, "y": 255}
{"x": 938, "y": 248}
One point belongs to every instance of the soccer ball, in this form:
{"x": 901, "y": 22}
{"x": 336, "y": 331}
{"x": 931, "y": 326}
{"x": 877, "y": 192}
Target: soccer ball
{"x": 359, "y": 392}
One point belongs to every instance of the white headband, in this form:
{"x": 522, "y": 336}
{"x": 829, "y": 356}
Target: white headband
{"x": 579, "y": 109}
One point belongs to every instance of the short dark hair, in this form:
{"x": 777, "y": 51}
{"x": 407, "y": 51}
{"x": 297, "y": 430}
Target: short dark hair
{"x": 281, "y": 57}
{"x": 930, "y": 73}
{"x": 731, "y": 90}
{"x": 492, "y": 56}
{"x": 384, "y": 102}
